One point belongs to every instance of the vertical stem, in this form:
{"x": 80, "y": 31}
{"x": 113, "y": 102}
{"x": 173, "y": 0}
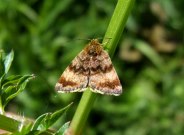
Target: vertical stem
{"x": 82, "y": 112}
{"x": 114, "y": 31}
{"x": 117, "y": 24}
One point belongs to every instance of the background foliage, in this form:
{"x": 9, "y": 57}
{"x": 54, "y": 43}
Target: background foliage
{"x": 149, "y": 61}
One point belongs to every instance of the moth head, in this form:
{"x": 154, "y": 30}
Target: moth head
{"x": 94, "y": 48}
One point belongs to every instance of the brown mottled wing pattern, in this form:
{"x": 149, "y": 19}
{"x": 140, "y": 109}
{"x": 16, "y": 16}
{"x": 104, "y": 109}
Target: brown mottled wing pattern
{"x": 104, "y": 79}
{"x": 74, "y": 78}
{"x": 91, "y": 68}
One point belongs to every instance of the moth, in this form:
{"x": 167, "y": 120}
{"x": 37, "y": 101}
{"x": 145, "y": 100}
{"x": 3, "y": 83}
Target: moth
{"x": 91, "y": 68}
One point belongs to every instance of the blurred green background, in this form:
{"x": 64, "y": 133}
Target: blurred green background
{"x": 149, "y": 61}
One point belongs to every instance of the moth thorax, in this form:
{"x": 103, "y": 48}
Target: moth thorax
{"x": 94, "y": 49}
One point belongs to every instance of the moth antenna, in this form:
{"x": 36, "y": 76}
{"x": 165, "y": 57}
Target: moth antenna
{"x": 88, "y": 39}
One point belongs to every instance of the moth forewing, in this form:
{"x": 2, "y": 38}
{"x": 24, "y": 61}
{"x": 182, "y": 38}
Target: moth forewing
{"x": 93, "y": 68}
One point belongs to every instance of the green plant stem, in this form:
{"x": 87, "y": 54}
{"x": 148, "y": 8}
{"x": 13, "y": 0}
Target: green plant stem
{"x": 114, "y": 32}
{"x": 81, "y": 114}
{"x": 1, "y": 107}
{"x": 117, "y": 24}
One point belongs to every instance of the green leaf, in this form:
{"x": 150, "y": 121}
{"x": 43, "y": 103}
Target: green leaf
{"x": 8, "y": 61}
{"x": 1, "y": 63}
{"x": 2, "y": 74}
{"x": 19, "y": 127}
{"x": 11, "y": 80}
{"x": 1, "y": 79}
{"x": 63, "y": 129}
{"x": 149, "y": 53}
{"x": 8, "y": 124}
{"x": 27, "y": 11}
{"x": 14, "y": 89}
{"x": 54, "y": 10}
{"x": 39, "y": 122}
{"x": 37, "y": 132}
{"x": 43, "y": 122}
